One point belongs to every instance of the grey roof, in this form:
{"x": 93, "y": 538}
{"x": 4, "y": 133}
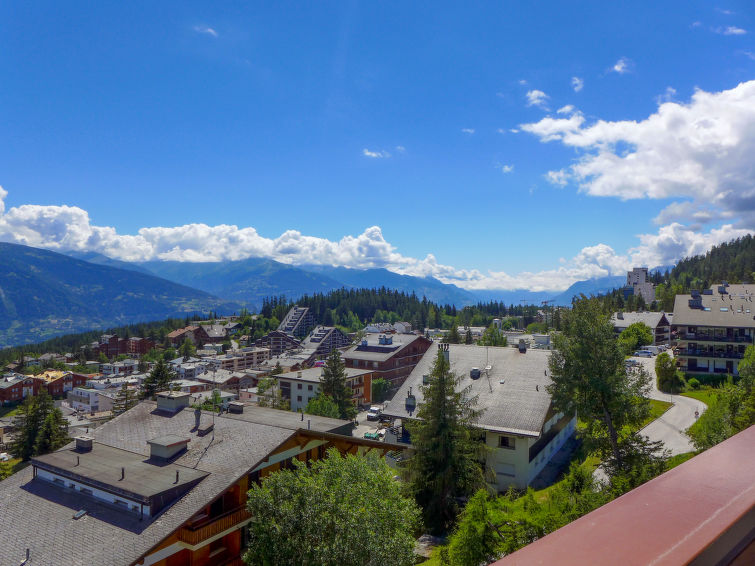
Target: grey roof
{"x": 651, "y": 319}
{"x": 102, "y": 467}
{"x": 374, "y": 351}
{"x": 288, "y": 419}
{"x": 38, "y": 515}
{"x": 738, "y": 302}
{"x": 512, "y": 397}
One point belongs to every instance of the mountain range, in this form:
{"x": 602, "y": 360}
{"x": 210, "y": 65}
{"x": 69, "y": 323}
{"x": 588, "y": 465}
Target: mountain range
{"x": 45, "y": 294}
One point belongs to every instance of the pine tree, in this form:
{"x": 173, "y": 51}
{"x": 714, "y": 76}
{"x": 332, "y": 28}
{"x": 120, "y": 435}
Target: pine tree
{"x": 124, "y": 400}
{"x": 333, "y": 383}
{"x": 159, "y": 379}
{"x": 41, "y": 426}
{"x": 445, "y": 464}
{"x": 452, "y": 337}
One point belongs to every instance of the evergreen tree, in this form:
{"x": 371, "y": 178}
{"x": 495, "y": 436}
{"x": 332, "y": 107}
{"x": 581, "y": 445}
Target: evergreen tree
{"x": 41, "y": 427}
{"x": 187, "y": 349}
{"x": 159, "y": 379}
{"x": 445, "y": 465}
{"x": 468, "y": 337}
{"x": 333, "y": 383}
{"x": 452, "y": 336}
{"x": 124, "y": 400}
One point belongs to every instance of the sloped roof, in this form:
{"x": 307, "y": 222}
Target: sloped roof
{"x": 650, "y": 319}
{"x": 511, "y": 394}
{"x": 38, "y": 515}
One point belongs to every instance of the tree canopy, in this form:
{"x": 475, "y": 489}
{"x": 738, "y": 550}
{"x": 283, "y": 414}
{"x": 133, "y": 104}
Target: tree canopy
{"x": 634, "y": 336}
{"x": 340, "y": 511}
{"x": 41, "y": 427}
{"x": 333, "y": 384}
{"x": 324, "y": 406}
{"x": 445, "y": 464}
{"x": 159, "y": 379}
{"x": 590, "y": 378}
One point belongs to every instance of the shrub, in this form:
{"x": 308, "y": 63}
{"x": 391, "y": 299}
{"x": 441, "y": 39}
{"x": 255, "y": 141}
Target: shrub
{"x": 694, "y": 383}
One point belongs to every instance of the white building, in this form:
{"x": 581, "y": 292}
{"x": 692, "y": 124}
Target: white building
{"x": 637, "y": 279}
{"x": 518, "y": 421}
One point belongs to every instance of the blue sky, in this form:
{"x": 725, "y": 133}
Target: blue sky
{"x": 518, "y": 144}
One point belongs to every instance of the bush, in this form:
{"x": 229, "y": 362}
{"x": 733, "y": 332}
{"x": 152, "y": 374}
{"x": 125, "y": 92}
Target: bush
{"x": 693, "y": 383}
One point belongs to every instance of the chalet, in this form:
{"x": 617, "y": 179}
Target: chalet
{"x": 658, "y": 322}
{"x": 194, "y": 334}
{"x": 162, "y": 484}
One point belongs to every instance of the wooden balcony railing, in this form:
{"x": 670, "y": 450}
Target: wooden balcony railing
{"x": 217, "y": 525}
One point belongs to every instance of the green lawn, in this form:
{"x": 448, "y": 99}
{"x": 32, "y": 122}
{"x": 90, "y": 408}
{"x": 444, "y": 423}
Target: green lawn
{"x": 657, "y": 408}
{"x": 8, "y": 411}
{"x": 705, "y": 394}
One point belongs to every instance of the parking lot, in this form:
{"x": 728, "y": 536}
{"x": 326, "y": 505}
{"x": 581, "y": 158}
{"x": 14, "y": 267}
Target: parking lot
{"x": 364, "y": 425}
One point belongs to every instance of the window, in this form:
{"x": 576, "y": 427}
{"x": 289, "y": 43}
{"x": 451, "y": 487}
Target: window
{"x": 507, "y": 442}
{"x": 298, "y": 398}
{"x": 298, "y": 385}
{"x": 309, "y": 388}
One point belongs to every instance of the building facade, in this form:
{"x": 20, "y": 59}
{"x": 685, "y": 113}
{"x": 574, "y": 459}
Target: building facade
{"x": 711, "y": 330}
{"x": 389, "y": 356}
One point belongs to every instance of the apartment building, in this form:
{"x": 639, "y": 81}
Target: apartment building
{"x": 297, "y": 322}
{"x": 300, "y": 387}
{"x": 638, "y": 284}
{"x": 711, "y": 329}
{"x": 518, "y": 421}
{"x": 390, "y": 356}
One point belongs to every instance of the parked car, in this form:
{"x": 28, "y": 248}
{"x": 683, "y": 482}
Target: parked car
{"x": 373, "y": 413}
{"x": 643, "y": 354}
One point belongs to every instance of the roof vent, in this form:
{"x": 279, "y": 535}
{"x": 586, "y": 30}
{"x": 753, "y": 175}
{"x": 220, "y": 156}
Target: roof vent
{"x": 84, "y": 443}
{"x": 167, "y": 446}
{"x": 474, "y": 373}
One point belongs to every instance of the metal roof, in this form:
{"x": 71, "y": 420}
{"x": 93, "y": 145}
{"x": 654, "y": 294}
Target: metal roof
{"x": 736, "y": 308}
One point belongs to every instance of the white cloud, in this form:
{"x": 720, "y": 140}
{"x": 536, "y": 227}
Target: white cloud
{"x": 379, "y": 154}
{"x": 206, "y": 30}
{"x": 621, "y": 66}
{"x": 537, "y": 98}
{"x": 501, "y": 131}
{"x": 748, "y": 54}
{"x": 66, "y": 228}
{"x": 523, "y": 82}
{"x": 469, "y": 131}
{"x": 700, "y": 151}
{"x": 514, "y": 130}
{"x": 577, "y": 84}
{"x": 667, "y": 96}
{"x": 507, "y": 168}
{"x": 568, "y": 109}
{"x": 730, "y": 30}
{"x": 400, "y": 148}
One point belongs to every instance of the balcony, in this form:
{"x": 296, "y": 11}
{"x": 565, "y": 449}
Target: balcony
{"x": 706, "y": 338}
{"x": 216, "y": 525}
{"x": 707, "y": 354}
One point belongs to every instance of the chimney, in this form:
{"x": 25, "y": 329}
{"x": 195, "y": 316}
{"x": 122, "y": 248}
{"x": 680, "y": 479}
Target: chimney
{"x": 309, "y": 424}
{"x": 620, "y": 315}
{"x": 84, "y": 443}
{"x": 197, "y": 417}
{"x": 176, "y": 476}
{"x": 123, "y": 473}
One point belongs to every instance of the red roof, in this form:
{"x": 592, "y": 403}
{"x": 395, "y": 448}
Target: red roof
{"x": 673, "y": 519}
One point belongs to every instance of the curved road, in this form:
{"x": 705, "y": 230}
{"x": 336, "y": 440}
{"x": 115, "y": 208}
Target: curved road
{"x": 670, "y": 427}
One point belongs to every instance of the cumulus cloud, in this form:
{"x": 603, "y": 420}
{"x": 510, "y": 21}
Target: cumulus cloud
{"x": 537, "y": 98}
{"x": 469, "y": 131}
{"x": 507, "y": 168}
{"x": 568, "y": 109}
{"x": 205, "y": 30}
{"x": 621, "y": 66}
{"x": 667, "y": 96}
{"x": 577, "y": 84}
{"x": 379, "y": 154}
{"x": 68, "y": 228}
{"x": 699, "y": 152}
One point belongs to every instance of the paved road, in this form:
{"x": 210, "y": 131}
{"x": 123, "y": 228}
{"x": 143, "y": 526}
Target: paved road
{"x": 670, "y": 427}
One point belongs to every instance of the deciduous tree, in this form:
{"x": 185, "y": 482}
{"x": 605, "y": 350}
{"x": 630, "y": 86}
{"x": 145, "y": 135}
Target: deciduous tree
{"x": 590, "y": 378}
{"x": 341, "y": 511}
{"x": 324, "y": 406}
